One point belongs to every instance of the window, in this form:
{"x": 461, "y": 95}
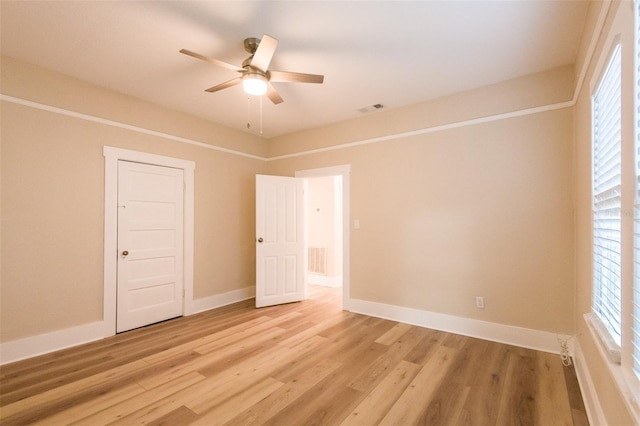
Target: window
{"x": 614, "y": 320}
{"x": 607, "y": 202}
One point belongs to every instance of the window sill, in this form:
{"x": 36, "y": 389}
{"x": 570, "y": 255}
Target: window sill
{"x": 627, "y": 384}
{"x": 602, "y": 336}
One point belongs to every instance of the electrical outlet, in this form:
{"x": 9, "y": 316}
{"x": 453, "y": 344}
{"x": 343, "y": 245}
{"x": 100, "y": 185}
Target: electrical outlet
{"x": 479, "y": 302}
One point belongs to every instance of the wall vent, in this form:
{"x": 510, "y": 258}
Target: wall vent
{"x": 317, "y": 260}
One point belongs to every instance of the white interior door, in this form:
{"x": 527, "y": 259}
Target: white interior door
{"x": 279, "y": 240}
{"x": 150, "y": 244}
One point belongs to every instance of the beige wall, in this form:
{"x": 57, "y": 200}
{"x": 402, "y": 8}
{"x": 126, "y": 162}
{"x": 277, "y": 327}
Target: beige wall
{"x": 473, "y": 210}
{"x": 53, "y": 198}
{"x": 619, "y": 22}
{"x": 477, "y": 210}
{"x": 550, "y": 87}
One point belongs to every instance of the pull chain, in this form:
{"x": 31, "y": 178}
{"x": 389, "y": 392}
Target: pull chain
{"x": 260, "y": 116}
{"x": 248, "y": 112}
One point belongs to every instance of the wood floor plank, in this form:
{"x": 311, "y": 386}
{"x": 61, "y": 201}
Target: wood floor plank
{"x": 30, "y": 380}
{"x": 414, "y": 400}
{"x": 139, "y": 402}
{"x": 487, "y": 385}
{"x": 455, "y": 412}
{"x": 222, "y": 413}
{"x": 446, "y": 402}
{"x": 391, "y": 336}
{"x": 296, "y": 367}
{"x": 202, "y": 363}
{"x": 180, "y": 416}
{"x": 162, "y": 372}
{"x": 517, "y": 404}
{"x": 425, "y": 348}
{"x": 305, "y": 363}
{"x": 551, "y": 392}
{"x": 279, "y": 400}
{"x": 104, "y": 401}
{"x": 252, "y": 370}
{"x": 379, "y": 368}
{"x": 55, "y": 400}
{"x": 331, "y": 400}
{"x": 578, "y": 411}
{"x": 378, "y": 402}
{"x": 246, "y": 332}
{"x": 317, "y": 329}
{"x": 192, "y": 344}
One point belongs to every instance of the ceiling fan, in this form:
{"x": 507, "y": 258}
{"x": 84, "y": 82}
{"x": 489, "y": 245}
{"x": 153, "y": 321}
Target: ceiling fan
{"x": 255, "y": 76}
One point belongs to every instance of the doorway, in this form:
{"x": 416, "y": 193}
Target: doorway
{"x": 327, "y": 228}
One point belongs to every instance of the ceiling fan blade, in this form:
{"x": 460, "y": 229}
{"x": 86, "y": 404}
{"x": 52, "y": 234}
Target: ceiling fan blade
{"x": 224, "y": 85}
{"x": 294, "y": 77}
{"x": 264, "y": 53}
{"x": 211, "y": 60}
{"x": 273, "y": 94}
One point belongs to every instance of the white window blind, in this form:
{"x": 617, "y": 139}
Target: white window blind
{"x": 607, "y": 198}
{"x": 636, "y": 213}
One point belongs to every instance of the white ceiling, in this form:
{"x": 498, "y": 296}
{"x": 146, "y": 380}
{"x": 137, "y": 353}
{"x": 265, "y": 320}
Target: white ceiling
{"x": 395, "y": 53}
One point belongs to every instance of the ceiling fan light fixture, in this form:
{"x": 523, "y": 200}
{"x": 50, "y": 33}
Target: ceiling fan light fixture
{"x": 254, "y": 84}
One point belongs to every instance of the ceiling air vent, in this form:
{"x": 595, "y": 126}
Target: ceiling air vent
{"x": 370, "y": 108}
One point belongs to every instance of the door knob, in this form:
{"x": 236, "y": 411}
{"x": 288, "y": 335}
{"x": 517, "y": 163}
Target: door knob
{"x": 260, "y": 240}
{"x": 125, "y": 253}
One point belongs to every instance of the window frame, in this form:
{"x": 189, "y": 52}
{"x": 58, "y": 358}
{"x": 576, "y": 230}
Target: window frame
{"x": 613, "y": 349}
{"x": 635, "y": 293}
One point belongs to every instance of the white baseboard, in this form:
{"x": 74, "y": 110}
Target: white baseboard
{"x": 324, "y": 280}
{"x": 588, "y": 390}
{"x": 218, "y": 300}
{"x": 28, "y": 347}
{"x": 517, "y": 336}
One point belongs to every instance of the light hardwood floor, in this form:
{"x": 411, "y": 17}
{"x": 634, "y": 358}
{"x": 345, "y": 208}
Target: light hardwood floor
{"x": 303, "y": 363}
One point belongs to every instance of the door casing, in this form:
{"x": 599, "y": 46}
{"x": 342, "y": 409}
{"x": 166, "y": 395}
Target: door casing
{"x": 112, "y": 156}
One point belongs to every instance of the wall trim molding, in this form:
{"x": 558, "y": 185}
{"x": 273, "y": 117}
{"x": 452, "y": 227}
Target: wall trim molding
{"x": 334, "y": 281}
{"x": 222, "y": 299}
{"x": 40, "y": 344}
{"x": 393, "y": 136}
{"x": 125, "y": 126}
{"x": 587, "y": 388}
{"x": 518, "y": 336}
{"x": 432, "y": 129}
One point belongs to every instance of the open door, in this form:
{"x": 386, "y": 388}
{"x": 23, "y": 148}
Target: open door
{"x": 279, "y": 240}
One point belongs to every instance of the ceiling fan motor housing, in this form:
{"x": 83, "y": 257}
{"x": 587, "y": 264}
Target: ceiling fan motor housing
{"x": 251, "y": 44}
